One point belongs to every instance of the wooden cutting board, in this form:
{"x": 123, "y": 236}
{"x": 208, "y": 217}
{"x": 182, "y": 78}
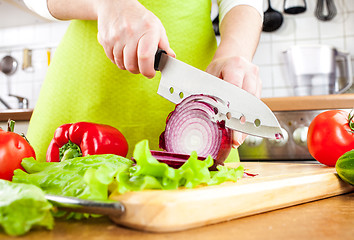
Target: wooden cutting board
{"x": 277, "y": 185}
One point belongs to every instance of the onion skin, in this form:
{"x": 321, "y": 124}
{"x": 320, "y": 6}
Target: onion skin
{"x": 194, "y": 114}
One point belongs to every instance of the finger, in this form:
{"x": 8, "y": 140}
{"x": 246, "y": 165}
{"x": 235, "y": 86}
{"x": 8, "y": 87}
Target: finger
{"x": 250, "y": 84}
{"x": 259, "y": 89}
{"x": 147, "y": 48}
{"x": 214, "y": 70}
{"x": 233, "y": 75}
{"x": 118, "y": 55}
{"x": 165, "y": 45}
{"x": 130, "y": 57}
{"x": 106, "y": 47}
{"x": 237, "y": 139}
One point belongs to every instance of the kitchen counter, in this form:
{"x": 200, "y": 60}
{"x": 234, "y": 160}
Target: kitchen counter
{"x": 298, "y": 103}
{"x": 16, "y": 114}
{"x": 335, "y": 101}
{"x": 331, "y": 218}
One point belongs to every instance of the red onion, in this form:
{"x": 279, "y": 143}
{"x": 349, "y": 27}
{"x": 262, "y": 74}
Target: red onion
{"x": 190, "y": 128}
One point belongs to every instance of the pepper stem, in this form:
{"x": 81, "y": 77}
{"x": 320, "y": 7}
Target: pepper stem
{"x": 10, "y": 125}
{"x": 69, "y": 150}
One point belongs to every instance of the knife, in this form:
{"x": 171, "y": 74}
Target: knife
{"x": 241, "y": 110}
{"x": 73, "y": 204}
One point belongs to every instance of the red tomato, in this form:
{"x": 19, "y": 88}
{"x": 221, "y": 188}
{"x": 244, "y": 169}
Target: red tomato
{"x": 330, "y": 136}
{"x": 13, "y": 148}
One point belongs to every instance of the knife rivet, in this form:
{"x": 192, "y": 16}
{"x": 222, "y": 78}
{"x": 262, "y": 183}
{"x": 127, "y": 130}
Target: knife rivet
{"x": 228, "y": 115}
{"x": 171, "y": 90}
{"x": 181, "y": 95}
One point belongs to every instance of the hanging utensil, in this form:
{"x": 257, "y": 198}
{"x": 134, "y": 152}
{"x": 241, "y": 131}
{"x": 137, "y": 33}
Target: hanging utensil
{"x": 8, "y": 65}
{"x": 27, "y": 60}
{"x": 294, "y": 9}
{"x": 325, "y": 13}
{"x": 49, "y": 55}
{"x": 216, "y": 26}
{"x": 272, "y": 19}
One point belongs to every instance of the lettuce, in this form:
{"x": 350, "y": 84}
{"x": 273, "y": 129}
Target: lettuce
{"x": 83, "y": 177}
{"x": 95, "y": 177}
{"x": 23, "y": 206}
{"x": 148, "y": 173}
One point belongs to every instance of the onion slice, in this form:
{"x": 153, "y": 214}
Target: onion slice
{"x": 190, "y": 128}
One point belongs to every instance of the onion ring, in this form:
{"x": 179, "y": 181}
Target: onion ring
{"x": 190, "y": 128}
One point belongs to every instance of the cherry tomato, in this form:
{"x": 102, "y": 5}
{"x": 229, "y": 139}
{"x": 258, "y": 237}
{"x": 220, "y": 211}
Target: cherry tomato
{"x": 13, "y": 148}
{"x": 330, "y": 135}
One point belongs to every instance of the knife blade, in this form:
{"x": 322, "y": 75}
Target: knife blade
{"x": 242, "y": 111}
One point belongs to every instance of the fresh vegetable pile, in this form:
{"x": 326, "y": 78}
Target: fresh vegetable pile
{"x": 87, "y": 160}
{"x": 95, "y": 177}
{"x": 91, "y": 177}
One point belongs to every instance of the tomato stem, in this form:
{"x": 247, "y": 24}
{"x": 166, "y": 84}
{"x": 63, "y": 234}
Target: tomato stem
{"x": 351, "y": 120}
{"x": 10, "y": 125}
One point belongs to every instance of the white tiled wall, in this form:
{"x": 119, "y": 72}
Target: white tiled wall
{"x": 300, "y": 29}
{"x": 303, "y": 28}
{"x": 40, "y": 38}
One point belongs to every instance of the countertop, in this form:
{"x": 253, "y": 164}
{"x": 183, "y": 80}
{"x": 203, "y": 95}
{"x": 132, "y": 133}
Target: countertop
{"x": 336, "y": 101}
{"x": 16, "y": 114}
{"x": 330, "y": 218}
{"x": 319, "y": 102}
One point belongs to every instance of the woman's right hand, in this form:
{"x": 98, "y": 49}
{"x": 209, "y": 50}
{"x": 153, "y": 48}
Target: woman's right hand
{"x": 130, "y": 35}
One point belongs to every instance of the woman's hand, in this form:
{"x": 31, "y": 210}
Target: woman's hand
{"x": 240, "y": 72}
{"x": 239, "y": 31}
{"x": 130, "y": 35}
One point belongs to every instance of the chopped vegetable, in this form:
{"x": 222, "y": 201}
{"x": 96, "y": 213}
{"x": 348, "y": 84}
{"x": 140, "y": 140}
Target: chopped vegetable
{"x": 85, "y": 138}
{"x": 23, "y": 206}
{"x": 92, "y": 177}
{"x": 190, "y": 128}
{"x": 13, "y": 148}
{"x": 345, "y": 167}
{"x": 330, "y": 135}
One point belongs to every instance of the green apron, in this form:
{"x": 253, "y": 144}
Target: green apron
{"x": 82, "y": 84}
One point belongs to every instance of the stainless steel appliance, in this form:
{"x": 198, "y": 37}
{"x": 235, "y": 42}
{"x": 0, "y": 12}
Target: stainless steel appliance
{"x": 294, "y": 115}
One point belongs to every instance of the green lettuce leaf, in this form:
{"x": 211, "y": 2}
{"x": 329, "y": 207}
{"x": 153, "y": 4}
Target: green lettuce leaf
{"x": 83, "y": 177}
{"x": 148, "y": 173}
{"x": 94, "y": 177}
{"x": 23, "y": 206}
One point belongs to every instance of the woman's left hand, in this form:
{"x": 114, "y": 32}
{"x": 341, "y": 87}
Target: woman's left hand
{"x": 240, "y": 72}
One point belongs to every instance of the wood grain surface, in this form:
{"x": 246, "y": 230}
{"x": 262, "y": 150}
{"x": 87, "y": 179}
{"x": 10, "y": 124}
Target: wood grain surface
{"x": 16, "y": 114}
{"x": 276, "y": 186}
{"x": 319, "y": 102}
{"x": 330, "y": 218}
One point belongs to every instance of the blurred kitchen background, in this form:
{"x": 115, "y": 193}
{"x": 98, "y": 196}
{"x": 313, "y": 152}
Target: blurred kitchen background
{"x": 32, "y": 41}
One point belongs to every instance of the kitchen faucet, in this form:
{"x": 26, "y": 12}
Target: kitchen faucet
{"x": 22, "y": 102}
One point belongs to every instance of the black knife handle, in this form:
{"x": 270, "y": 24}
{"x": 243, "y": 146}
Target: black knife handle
{"x": 157, "y": 58}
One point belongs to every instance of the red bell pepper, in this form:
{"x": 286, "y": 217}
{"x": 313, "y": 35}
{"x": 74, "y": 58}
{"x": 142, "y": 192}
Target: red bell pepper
{"x": 85, "y": 138}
